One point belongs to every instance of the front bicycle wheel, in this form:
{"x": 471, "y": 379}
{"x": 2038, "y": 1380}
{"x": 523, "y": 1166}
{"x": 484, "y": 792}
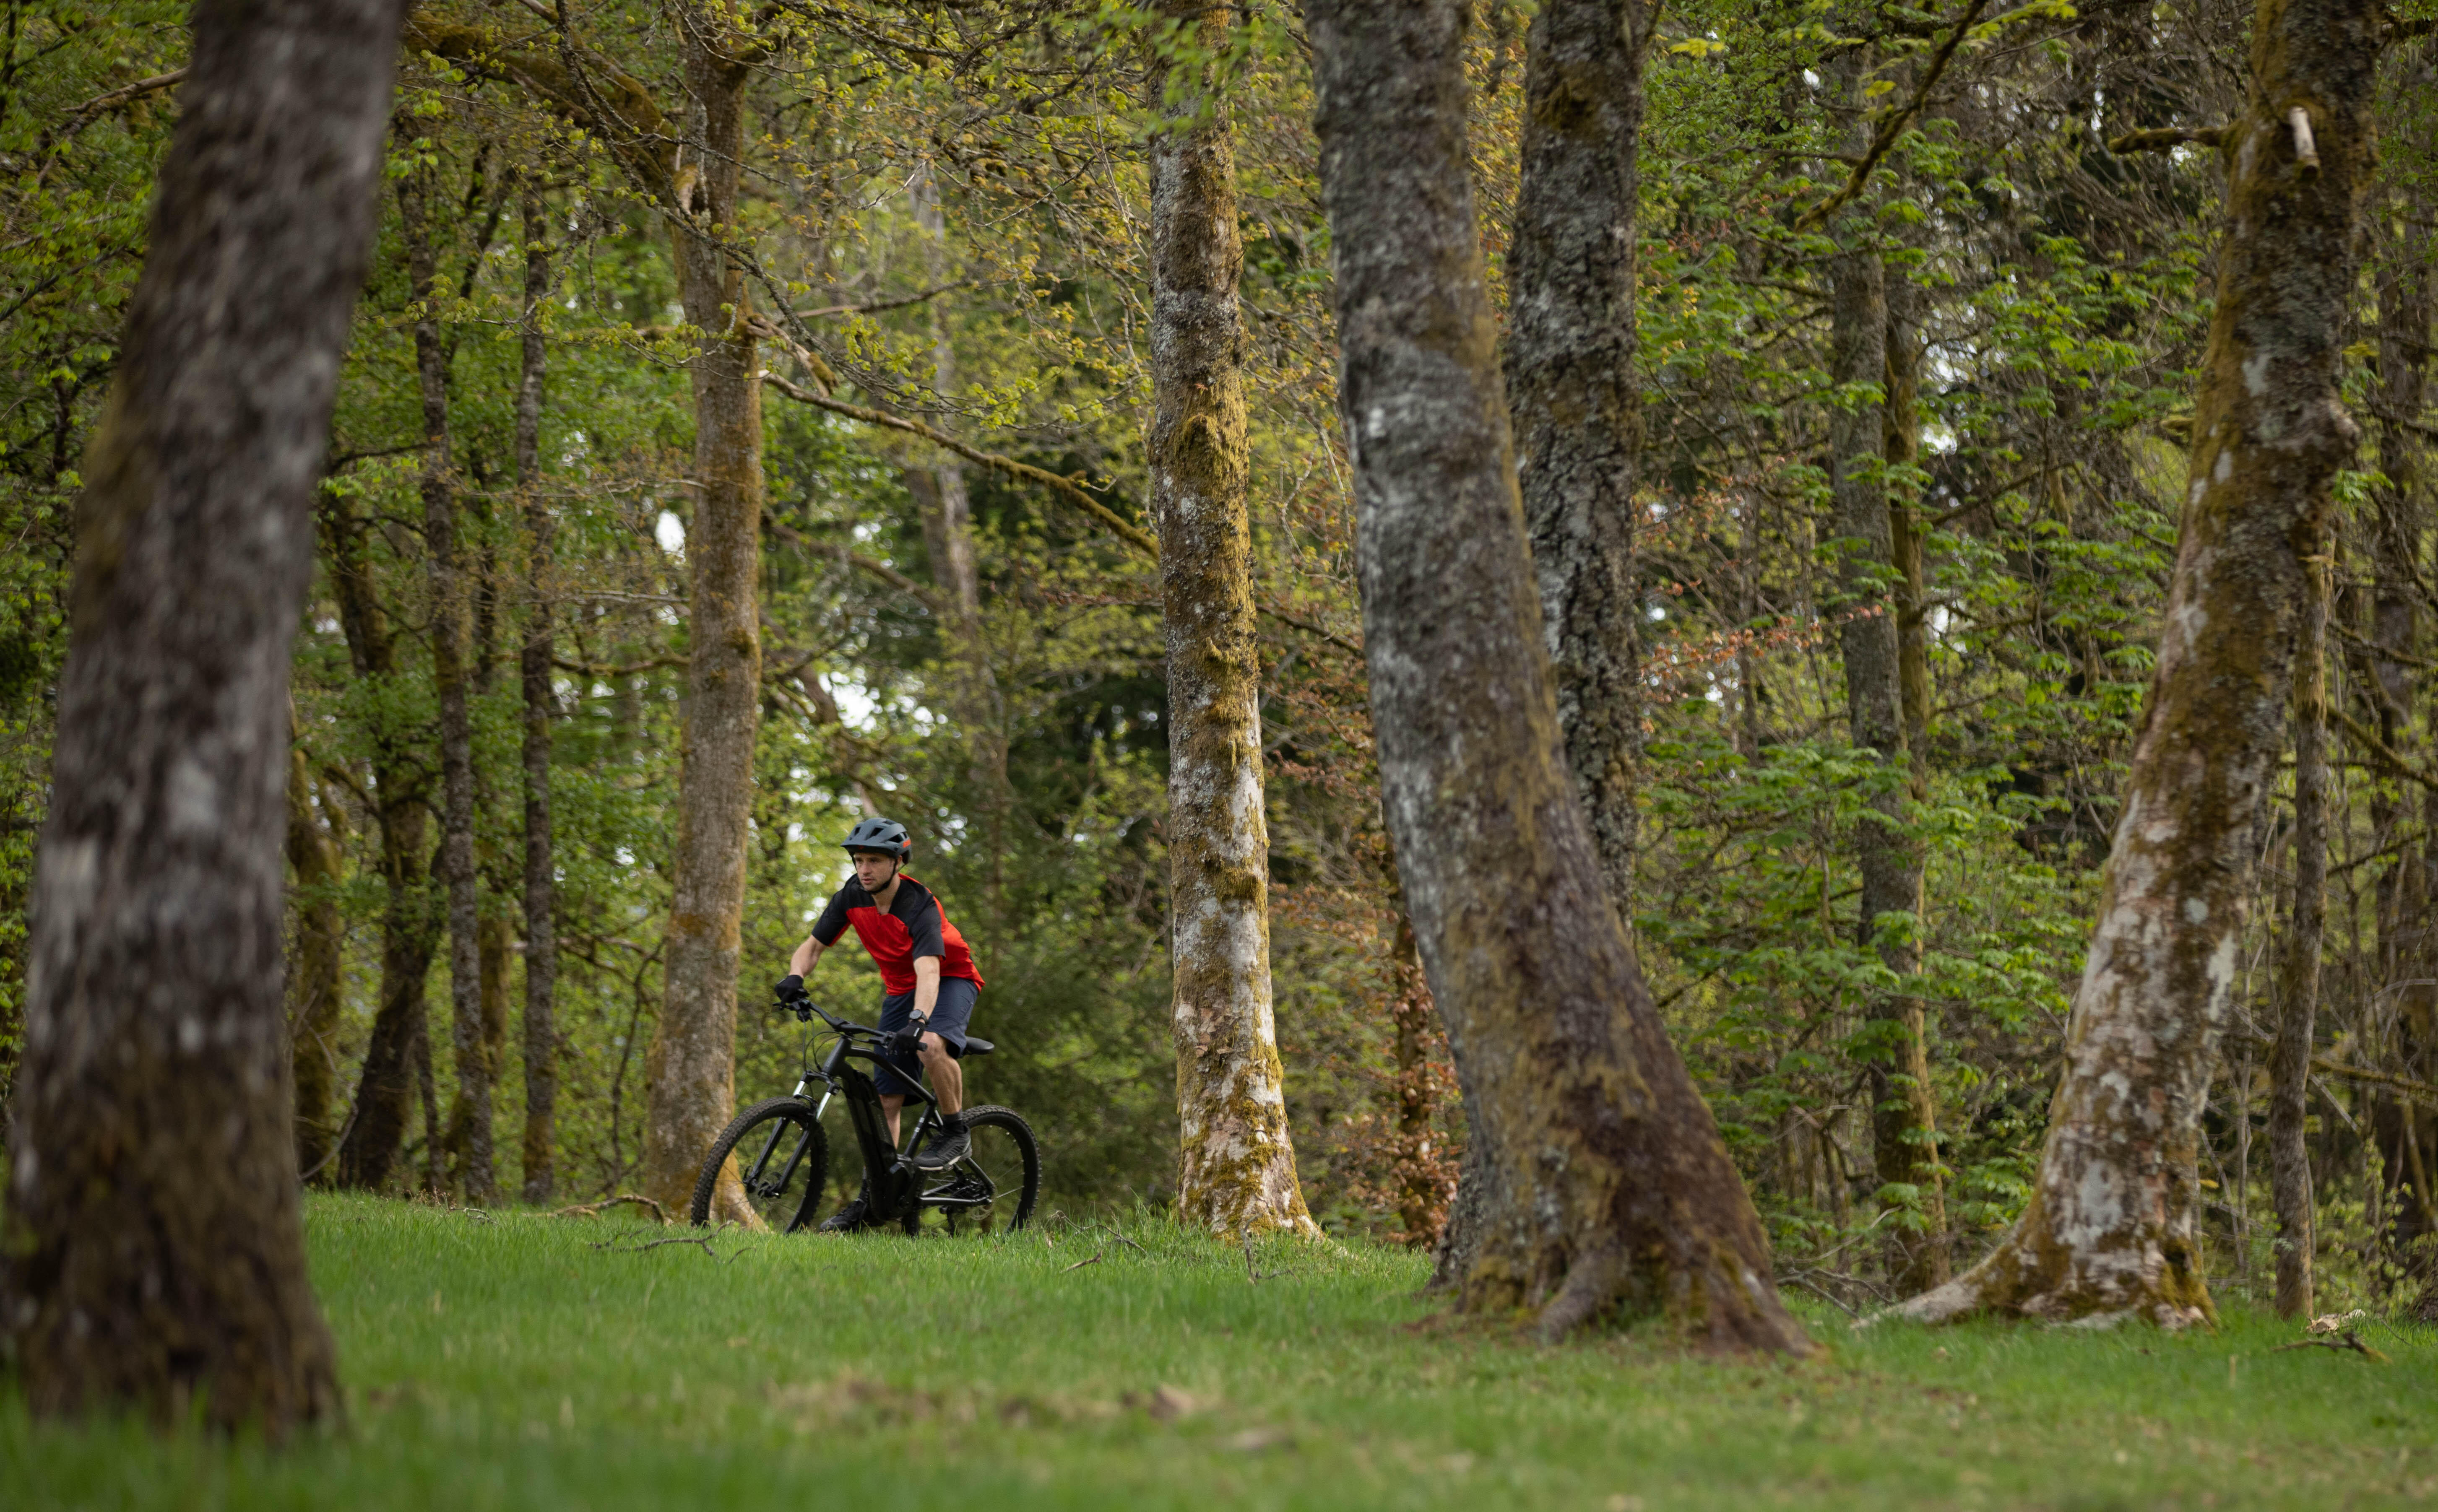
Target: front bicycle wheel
{"x": 991, "y": 1192}
{"x": 782, "y": 1159}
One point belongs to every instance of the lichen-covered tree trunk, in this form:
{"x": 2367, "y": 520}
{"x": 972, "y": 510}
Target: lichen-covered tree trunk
{"x": 2289, "y": 1056}
{"x": 2109, "y": 1231}
{"x": 1570, "y": 382}
{"x": 314, "y": 985}
{"x": 534, "y": 669}
{"x": 471, "y": 1123}
{"x": 691, "y": 1069}
{"x": 1236, "y": 1169}
{"x": 1605, "y": 1186}
{"x": 155, "y": 1256}
{"x": 1904, "y": 1152}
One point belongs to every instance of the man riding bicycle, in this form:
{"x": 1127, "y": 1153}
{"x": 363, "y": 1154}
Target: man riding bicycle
{"x": 927, "y": 979}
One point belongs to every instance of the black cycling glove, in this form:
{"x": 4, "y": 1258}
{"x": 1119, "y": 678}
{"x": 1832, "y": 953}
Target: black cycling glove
{"x": 790, "y": 989}
{"x": 907, "y": 1044}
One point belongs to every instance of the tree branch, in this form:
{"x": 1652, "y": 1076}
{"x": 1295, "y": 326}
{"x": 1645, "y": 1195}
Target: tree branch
{"x": 2162, "y": 138}
{"x": 1067, "y": 489}
{"x": 1892, "y": 127}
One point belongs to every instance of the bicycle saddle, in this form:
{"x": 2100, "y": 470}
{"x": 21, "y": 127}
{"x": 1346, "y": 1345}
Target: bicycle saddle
{"x": 975, "y": 1046}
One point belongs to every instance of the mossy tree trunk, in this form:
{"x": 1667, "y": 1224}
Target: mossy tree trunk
{"x": 1605, "y": 1185}
{"x": 540, "y": 705}
{"x": 691, "y": 1068}
{"x": 154, "y": 1257}
{"x": 2109, "y": 1231}
{"x": 1236, "y": 1169}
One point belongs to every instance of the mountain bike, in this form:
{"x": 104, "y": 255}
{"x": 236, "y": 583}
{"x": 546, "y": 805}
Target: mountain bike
{"x": 783, "y": 1153}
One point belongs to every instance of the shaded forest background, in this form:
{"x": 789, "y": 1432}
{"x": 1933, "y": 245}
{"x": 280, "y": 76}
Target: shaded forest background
{"x": 945, "y": 210}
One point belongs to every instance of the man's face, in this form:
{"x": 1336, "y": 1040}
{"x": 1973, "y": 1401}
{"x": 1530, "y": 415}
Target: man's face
{"x": 873, "y": 869}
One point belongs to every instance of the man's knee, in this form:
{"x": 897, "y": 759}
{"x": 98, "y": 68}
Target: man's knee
{"x": 934, "y": 1047}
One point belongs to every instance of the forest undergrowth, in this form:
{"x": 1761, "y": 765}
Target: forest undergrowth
{"x": 514, "y": 1359}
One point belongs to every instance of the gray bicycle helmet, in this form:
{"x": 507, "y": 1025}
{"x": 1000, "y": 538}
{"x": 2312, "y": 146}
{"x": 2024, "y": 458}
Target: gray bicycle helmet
{"x": 877, "y": 834}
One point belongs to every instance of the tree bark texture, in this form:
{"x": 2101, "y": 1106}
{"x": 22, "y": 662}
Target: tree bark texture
{"x": 1570, "y": 348}
{"x": 1904, "y": 1154}
{"x": 540, "y": 705}
{"x": 156, "y": 1250}
{"x": 2289, "y": 1056}
{"x": 445, "y": 575}
{"x": 314, "y": 996}
{"x": 1236, "y": 1167}
{"x": 692, "y": 1064}
{"x": 2109, "y": 1231}
{"x": 1605, "y": 1184}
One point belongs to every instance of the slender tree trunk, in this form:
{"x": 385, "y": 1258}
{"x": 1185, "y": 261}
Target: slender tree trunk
{"x": 1571, "y": 350}
{"x": 1236, "y": 1172}
{"x": 691, "y": 1070}
{"x": 1605, "y": 1182}
{"x": 1904, "y": 1154}
{"x": 533, "y": 669}
{"x": 2289, "y": 1058}
{"x": 154, "y": 1256}
{"x": 2109, "y": 1229}
{"x": 1900, "y": 418}
{"x": 446, "y": 575}
{"x": 313, "y": 991}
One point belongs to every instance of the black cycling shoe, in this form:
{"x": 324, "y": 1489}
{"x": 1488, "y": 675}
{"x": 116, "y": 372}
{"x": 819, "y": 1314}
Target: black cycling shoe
{"x": 945, "y": 1146}
{"x": 851, "y": 1218}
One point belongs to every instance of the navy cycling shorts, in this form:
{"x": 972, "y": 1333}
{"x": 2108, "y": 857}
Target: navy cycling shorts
{"x": 950, "y": 1014}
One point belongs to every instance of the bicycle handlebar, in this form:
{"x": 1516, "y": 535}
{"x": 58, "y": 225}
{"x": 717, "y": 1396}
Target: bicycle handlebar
{"x": 806, "y": 1009}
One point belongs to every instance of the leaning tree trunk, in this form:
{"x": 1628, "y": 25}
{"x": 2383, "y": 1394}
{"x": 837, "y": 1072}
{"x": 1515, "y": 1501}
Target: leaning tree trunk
{"x": 313, "y": 991}
{"x": 2289, "y": 1056}
{"x": 1604, "y": 1179}
{"x": 2109, "y": 1229}
{"x": 1236, "y": 1169}
{"x": 155, "y": 1254}
{"x": 2408, "y": 956}
{"x": 384, "y": 1086}
{"x": 447, "y": 579}
{"x": 1570, "y": 348}
{"x": 534, "y": 668}
{"x": 1904, "y": 1156}
{"x": 692, "y": 1066}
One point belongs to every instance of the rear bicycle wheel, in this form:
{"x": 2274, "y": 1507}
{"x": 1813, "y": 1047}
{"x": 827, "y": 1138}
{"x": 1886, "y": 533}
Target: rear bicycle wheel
{"x": 991, "y": 1192}
{"x": 782, "y": 1158}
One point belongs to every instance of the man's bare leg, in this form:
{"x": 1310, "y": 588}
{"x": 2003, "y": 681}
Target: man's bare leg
{"x": 948, "y": 1076}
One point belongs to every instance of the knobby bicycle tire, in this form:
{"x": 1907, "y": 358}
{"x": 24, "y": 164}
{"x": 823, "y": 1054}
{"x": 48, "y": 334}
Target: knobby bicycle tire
{"x": 1021, "y": 1185}
{"x": 773, "y": 1193}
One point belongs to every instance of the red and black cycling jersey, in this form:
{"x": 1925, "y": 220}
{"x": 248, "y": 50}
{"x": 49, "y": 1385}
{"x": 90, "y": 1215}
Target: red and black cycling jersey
{"x": 914, "y": 926}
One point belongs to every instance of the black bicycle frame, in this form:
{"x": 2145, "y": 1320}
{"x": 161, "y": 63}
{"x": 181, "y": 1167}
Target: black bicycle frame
{"x": 892, "y": 1179}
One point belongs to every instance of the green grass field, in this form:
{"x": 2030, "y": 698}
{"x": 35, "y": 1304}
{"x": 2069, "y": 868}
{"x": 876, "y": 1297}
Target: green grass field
{"x": 510, "y": 1363}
